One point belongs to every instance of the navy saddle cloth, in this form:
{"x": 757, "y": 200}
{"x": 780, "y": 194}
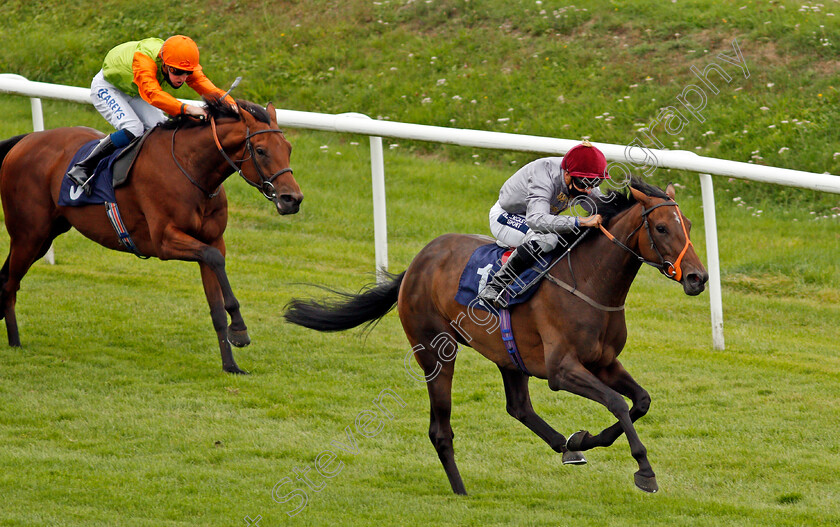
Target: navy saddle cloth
{"x": 102, "y": 183}
{"x": 483, "y": 264}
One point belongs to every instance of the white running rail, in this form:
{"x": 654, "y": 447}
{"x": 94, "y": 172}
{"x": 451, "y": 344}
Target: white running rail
{"x": 635, "y": 156}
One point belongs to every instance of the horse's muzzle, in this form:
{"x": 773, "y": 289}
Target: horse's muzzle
{"x": 694, "y": 283}
{"x": 288, "y": 203}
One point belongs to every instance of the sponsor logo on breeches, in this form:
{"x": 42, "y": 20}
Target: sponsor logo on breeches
{"x": 115, "y": 106}
{"x": 513, "y": 221}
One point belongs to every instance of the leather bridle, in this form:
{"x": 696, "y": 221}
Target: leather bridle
{"x": 266, "y": 184}
{"x": 671, "y": 270}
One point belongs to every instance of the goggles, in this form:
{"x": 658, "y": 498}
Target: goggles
{"x": 587, "y": 182}
{"x": 178, "y": 72}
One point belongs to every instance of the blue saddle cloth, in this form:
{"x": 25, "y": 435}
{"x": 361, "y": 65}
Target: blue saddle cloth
{"x": 71, "y": 195}
{"x": 481, "y": 267}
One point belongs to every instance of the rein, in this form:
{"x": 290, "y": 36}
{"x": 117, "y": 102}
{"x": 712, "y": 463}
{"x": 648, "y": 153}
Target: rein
{"x": 572, "y": 289}
{"x": 265, "y": 186}
{"x": 191, "y": 180}
{"x": 588, "y": 300}
{"x": 671, "y": 270}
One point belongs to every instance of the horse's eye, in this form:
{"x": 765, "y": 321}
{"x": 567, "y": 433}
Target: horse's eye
{"x": 261, "y": 151}
{"x": 661, "y": 229}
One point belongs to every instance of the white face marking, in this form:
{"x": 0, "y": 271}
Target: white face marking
{"x": 678, "y": 217}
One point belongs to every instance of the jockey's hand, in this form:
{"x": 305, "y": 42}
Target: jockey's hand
{"x": 591, "y": 221}
{"x": 195, "y": 111}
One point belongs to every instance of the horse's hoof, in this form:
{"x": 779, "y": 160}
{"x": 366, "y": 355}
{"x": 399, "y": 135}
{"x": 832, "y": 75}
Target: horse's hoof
{"x": 647, "y": 484}
{"x": 575, "y": 441}
{"x": 235, "y": 369}
{"x": 240, "y": 339}
{"x": 573, "y": 458}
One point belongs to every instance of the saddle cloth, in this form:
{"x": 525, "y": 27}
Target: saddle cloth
{"x": 111, "y": 172}
{"x": 483, "y": 264}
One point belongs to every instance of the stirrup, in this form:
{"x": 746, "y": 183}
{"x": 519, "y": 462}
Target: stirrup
{"x": 496, "y": 299}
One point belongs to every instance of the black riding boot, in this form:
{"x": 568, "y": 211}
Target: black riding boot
{"x": 520, "y": 260}
{"x": 83, "y": 170}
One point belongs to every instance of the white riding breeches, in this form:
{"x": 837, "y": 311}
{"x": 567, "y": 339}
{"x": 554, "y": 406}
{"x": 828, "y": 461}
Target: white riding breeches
{"x": 510, "y": 230}
{"x": 123, "y": 112}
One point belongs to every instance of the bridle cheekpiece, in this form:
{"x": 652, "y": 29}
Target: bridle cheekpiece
{"x": 669, "y": 269}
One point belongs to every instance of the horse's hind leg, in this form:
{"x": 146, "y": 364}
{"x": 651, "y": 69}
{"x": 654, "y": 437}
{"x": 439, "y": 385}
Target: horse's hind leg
{"x": 438, "y": 375}
{"x": 7, "y": 306}
{"x": 24, "y": 249}
{"x": 520, "y": 408}
{"x": 440, "y": 428}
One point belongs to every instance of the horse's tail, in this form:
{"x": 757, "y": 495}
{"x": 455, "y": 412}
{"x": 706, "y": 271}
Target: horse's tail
{"x": 349, "y": 310}
{"x": 7, "y": 145}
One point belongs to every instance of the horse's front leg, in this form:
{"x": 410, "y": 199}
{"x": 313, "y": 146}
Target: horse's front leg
{"x": 177, "y": 245}
{"x": 617, "y": 378}
{"x": 520, "y": 408}
{"x": 572, "y": 376}
{"x": 237, "y": 332}
{"x": 218, "y": 314}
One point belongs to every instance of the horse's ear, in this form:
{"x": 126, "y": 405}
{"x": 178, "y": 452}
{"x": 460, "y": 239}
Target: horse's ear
{"x": 670, "y": 191}
{"x": 272, "y": 113}
{"x": 640, "y": 196}
{"x": 242, "y": 112}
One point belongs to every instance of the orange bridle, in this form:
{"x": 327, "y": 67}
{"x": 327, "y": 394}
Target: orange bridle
{"x": 671, "y": 270}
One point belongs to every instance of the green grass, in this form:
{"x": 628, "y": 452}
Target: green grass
{"x": 117, "y": 411}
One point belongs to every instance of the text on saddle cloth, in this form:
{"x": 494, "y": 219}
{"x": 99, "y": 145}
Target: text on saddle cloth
{"x": 483, "y": 264}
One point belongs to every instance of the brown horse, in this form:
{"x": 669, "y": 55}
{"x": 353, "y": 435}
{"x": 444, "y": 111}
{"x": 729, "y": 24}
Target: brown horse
{"x": 173, "y": 207}
{"x": 572, "y": 340}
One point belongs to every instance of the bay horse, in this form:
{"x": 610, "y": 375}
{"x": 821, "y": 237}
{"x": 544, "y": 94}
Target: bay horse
{"x": 173, "y": 206}
{"x": 572, "y": 340}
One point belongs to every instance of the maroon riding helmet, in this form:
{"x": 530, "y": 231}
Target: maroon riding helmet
{"x": 586, "y": 165}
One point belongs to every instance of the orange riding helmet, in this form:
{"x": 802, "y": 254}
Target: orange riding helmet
{"x": 180, "y": 52}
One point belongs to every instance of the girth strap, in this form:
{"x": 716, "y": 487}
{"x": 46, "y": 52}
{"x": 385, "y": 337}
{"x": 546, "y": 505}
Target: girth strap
{"x": 510, "y": 344}
{"x": 113, "y": 213}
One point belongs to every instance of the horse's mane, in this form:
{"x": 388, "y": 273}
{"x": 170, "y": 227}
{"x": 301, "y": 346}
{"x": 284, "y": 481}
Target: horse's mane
{"x": 615, "y": 201}
{"x": 218, "y": 109}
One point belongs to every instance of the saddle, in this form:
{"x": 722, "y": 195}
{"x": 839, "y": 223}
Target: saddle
{"x": 484, "y": 262}
{"x": 111, "y": 172}
{"x": 124, "y": 160}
